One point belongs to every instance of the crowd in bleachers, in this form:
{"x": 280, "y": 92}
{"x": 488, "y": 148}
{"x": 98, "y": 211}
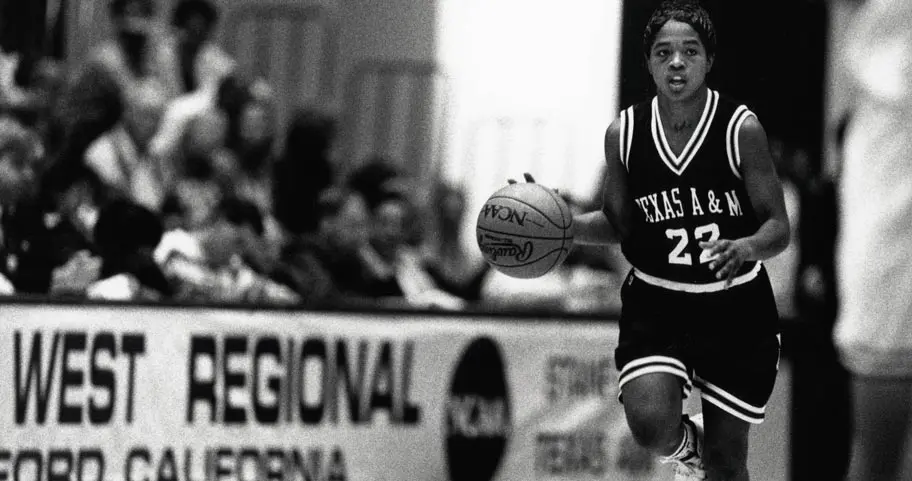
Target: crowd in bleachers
{"x": 153, "y": 172}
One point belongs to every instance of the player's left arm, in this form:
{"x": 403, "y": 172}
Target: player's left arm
{"x": 766, "y": 197}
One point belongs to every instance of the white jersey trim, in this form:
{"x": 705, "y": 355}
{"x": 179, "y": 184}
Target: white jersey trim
{"x": 676, "y": 163}
{"x": 626, "y": 136}
{"x": 732, "y": 142}
{"x": 698, "y": 288}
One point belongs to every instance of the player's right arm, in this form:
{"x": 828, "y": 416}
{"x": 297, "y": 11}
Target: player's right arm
{"x": 608, "y": 225}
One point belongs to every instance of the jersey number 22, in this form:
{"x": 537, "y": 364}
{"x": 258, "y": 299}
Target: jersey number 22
{"x": 708, "y": 232}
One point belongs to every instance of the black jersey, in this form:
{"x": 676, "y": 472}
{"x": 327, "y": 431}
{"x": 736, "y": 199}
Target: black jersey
{"x": 682, "y": 200}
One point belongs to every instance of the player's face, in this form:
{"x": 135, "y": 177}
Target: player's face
{"x": 678, "y": 61}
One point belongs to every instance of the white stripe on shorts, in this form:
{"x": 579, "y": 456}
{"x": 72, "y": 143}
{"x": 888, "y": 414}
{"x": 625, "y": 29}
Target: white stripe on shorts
{"x": 653, "y": 364}
{"x": 729, "y": 403}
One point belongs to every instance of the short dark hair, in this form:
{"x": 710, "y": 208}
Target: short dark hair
{"x": 686, "y": 11}
{"x": 188, "y": 8}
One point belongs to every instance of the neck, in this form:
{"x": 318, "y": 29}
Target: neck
{"x": 684, "y": 113}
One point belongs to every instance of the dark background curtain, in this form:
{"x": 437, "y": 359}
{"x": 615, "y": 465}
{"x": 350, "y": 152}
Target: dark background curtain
{"x": 770, "y": 56}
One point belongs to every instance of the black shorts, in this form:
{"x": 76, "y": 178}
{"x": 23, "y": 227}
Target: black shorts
{"x": 726, "y": 342}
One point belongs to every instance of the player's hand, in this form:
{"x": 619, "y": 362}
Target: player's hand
{"x": 727, "y": 257}
{"x": 529, "y": 179}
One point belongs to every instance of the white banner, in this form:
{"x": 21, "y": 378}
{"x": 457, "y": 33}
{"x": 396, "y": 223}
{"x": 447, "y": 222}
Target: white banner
{"x": 145, "y": 394}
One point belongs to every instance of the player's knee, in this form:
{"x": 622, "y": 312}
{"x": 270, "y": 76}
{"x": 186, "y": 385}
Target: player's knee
{"x": 653, "y": 427}
{"x": 654, "y": 437}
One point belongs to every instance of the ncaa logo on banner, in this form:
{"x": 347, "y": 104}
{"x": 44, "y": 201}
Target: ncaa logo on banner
{"x": 477, "y": 424}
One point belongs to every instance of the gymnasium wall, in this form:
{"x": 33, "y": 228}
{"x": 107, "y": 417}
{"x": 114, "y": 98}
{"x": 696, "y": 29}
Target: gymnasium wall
{"x": 357, "y": 59}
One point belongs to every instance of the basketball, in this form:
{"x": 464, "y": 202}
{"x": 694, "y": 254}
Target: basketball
{"x": 525, "y": 230}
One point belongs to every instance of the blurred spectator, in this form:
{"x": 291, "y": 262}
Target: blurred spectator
{"x": 12, "y": 94}
{"x": 376, "y": 179}
{"x": 447, "y": 259}
{"x": 90, "y": 104}
{"x": 251, "y": 140}
{"x": 324, "y": 267}
{"x": 873, "y": 331}
{"x": 126, "y": 236}
{"x": 135, "y": 57}
{"x": 120, "y": 157}
{"x": 19, "y": 149}
{"x": 29, "y": 89}
{"x": 223, "y": 101}
{"x": 207, "y": 262}
{"x": 196, "y": 62}
{"x": 57, "y": 230}
{"x": 251, "y": 143}
{"x": 304, "y": 171}
{"x": 45, "y": 234}
{"x": 390, "y": 257}
{"x": 45, "y": 83}
{"x": 202, "y": 164}
{"x": 356, "y": 255}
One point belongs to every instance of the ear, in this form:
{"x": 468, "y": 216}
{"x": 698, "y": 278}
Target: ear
{"x": 709, "y": 63}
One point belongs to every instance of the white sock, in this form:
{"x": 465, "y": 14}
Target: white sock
{"x": 682, "y": 449}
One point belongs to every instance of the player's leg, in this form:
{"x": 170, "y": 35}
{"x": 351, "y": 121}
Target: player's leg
{"x": 653, "y": 377}
{"x": 736, "y": 380}
{"x": 736, "y": 361}
{"x": 883, "y": 410}
{"x": 653, "y": 404}
{"x": 725, "y": 445}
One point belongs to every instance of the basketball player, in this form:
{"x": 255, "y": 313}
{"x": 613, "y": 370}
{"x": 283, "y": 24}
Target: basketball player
{"x": 873, "y": 331}
{"x": 692, "y": 195}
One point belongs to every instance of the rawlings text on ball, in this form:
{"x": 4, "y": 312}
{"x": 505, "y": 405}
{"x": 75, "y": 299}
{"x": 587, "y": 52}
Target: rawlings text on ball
{"x": 525, "y": 230}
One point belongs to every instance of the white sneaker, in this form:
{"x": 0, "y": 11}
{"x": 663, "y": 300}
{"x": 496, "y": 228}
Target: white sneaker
{"x": 689, "y": 467}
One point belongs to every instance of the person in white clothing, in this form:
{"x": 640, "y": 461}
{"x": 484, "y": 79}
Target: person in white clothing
{"x": 874, "y": 255}
{"x": 134, "y": 57}
{"x": 120, "y": 157}
{"x": 195, "y": 61}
